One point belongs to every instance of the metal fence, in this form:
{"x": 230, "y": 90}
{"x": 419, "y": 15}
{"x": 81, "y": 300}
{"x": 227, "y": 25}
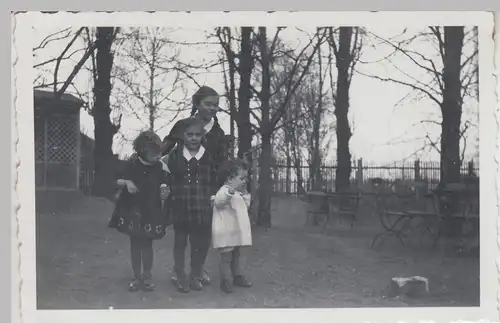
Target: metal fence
{"x": 286, "y": 180}
{"x": 286, "y": 177}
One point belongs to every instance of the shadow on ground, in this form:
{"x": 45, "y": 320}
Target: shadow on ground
{"x": 81, "y": 264}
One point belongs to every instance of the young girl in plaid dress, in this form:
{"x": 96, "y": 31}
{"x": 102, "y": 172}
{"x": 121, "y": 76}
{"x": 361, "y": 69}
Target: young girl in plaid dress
{"x": 231, "y": 227}
{"x": 193, "y": 182}
{"x": 139, "y": 211}
{"x": 205, "y": 108}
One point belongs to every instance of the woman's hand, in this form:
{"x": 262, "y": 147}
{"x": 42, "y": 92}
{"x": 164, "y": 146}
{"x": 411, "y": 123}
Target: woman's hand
{"x": 164, "y": 191}
{"x": 131, "y": 188}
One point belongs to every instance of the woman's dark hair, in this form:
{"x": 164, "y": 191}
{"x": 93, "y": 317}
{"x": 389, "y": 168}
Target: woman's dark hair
{"x": 147, "y": 140}
{"x": 202, "y": 92}
{"x": 229, "y": 169}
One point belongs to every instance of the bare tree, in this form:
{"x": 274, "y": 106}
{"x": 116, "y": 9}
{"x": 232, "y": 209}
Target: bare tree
{"x": 270, "y": 117}
{"x": 241, "y": 62}
{"x": 75, "y": 51}
{"x": 316, "y": 113}
{"x": 225, "y": 37}
{"x": 452, "y": 74}
{"x": 143, "y": 51}
{"x": 345, "y": 43}
{"x": 306, "y": 134}
{"x": 104, "y": 128}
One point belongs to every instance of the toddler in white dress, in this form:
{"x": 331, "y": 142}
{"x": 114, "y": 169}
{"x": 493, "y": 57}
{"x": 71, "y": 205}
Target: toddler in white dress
{"x": 231, "y": 228}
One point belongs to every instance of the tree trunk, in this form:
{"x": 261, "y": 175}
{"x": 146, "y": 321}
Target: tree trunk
{"x": 343, "y": 131}
{"x": 245, "y": 68}
{"x": 232, "y": 104}
{"x": 295, "y": 147}
{"x": 264, "y": 212}
{"x": 244, "y": 93}
{"x": 288, "y": 168}
{"x": 152, "y": 106}
{"x": 104, "y": 129}
{"x": 318, "y": 112}
{"x": 231, "y": 87}
{"x": 265, "y": 184}
{"x": 451, "y": 107}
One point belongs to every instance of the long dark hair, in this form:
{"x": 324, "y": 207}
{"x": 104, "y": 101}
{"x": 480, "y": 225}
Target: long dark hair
{"x": 202, "y": 92}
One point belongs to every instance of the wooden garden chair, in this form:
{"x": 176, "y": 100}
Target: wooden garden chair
{"x": 343, "y": 205}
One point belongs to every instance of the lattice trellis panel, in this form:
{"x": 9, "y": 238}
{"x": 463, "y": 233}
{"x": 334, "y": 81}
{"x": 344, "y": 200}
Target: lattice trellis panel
{"x": 62, "y": 139}
{"x": 39, "y": 139}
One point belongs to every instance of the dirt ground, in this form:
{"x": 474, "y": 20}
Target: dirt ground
{"x": 81, "y": 264}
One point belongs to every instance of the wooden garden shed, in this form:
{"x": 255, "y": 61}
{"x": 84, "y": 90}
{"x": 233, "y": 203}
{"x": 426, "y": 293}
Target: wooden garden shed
{"x": 57, "y": 141}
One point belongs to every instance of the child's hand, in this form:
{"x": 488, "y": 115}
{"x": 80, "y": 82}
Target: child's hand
{"x": 231, "y": 190}
{"x": 131, "y": 188}
{"x": 164, "y": 191}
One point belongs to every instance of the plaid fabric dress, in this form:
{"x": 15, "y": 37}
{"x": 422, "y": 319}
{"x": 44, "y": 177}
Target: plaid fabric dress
{"x": 141, "y": 214}
{"x": 192, "y": 184}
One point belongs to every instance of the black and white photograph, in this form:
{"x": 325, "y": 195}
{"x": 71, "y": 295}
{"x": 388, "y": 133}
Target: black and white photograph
{"x": 278, "y": 162}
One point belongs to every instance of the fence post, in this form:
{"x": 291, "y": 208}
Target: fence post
{"x": 417, "y": 170}
{"x": 359, "y": 173}
{"x": 470, "y": 167}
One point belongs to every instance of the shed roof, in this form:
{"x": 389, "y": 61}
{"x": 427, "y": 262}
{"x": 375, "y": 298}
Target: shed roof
{"x": 45, "y": 100}
{"x": 49, "y": 95}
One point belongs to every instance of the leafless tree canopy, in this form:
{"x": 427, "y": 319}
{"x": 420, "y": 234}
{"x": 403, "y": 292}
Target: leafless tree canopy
{"x": 293, "y": 98}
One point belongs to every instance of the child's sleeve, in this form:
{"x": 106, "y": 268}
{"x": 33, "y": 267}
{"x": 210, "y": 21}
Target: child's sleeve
{"x": 223, "y": 197}
{"x": 124, "y": 169}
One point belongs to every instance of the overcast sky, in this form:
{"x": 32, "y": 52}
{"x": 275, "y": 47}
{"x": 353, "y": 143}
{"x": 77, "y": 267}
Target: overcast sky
{"x": 384, "y": 128}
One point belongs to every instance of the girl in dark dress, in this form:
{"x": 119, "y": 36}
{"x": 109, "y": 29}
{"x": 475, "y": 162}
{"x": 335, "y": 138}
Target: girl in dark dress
{"x": 193, "y": 182}
{"x": 205, "y": 108}
{"x": 139, "y": 211}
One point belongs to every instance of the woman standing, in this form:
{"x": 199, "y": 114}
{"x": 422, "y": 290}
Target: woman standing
{"x": 205, "y": 108}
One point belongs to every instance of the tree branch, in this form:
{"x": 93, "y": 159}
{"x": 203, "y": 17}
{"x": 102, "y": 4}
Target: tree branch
{"x": 49, "y": 38}
{"x": 433, "y": 70}
{"x": 413, "y": 86}
{"x": 291, "y": 89}
{"x": 58, "y": 60}
{"x": 76, "y": 69}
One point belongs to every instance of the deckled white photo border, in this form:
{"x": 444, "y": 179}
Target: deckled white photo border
{"x": 23, "y": 235}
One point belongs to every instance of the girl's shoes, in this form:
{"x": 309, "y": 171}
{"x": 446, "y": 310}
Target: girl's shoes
{"x": 196, "y": 283}
{"x": 241, "y": 281}
{"x": 226, "y": 286}
{"x": 206, "y": 280}
{"x": 181, "y": 284}
{"x": 148, "y": 285}
{"x": 134, "y": 285}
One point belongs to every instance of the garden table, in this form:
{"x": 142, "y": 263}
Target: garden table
{"x": 343, "y": 204}
{"x": 318, "y": 203}
{"x": 404, "y": 219}
{"x": 455, "y": 204}
{"x": 332, "y": 204}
